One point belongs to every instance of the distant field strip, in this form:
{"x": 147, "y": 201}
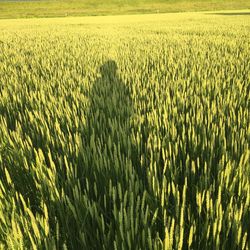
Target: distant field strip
{"x": 62, "y": 8}
{"x": 125, "y": 132}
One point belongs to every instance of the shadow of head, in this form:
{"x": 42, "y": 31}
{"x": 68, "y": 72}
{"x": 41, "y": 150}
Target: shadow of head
{"x": 109, "y": 68}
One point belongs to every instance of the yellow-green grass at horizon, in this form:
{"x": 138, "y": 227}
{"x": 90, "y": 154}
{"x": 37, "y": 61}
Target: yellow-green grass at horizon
{"x": 174, "y": 19}
{"x": 31, "y": 9}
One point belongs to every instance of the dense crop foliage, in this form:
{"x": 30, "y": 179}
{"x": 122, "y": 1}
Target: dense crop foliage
{"x": 125, "y": 133}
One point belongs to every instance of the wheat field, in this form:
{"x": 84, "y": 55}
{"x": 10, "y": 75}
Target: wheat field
{"x": 125, "y": 132}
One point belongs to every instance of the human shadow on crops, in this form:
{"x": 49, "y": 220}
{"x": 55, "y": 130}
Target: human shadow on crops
{"x": 230, "y": 14}
{"x": 107, "y": 164}
{"x": 108, "y": 121}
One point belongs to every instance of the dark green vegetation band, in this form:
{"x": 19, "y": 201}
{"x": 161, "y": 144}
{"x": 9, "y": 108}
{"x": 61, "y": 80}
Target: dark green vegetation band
{"x": 62, "y": 8}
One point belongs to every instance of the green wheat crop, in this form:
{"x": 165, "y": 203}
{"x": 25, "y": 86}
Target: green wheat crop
{"x": 125, "y": 132}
